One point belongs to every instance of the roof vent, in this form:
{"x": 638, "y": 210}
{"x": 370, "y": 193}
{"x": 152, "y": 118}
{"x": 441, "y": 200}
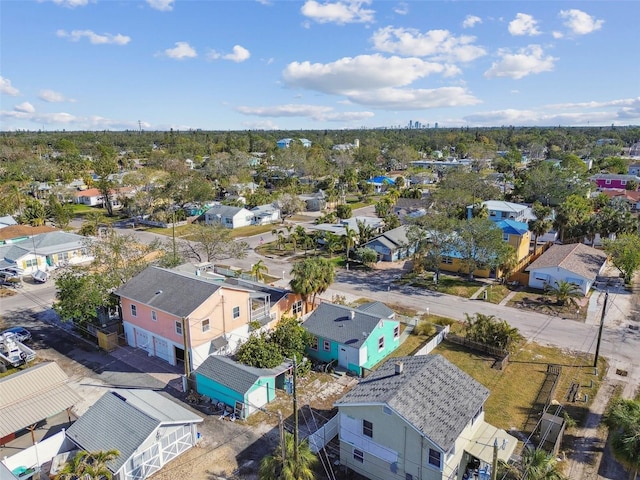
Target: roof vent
{"x": 158, "y": 292}
{"x": 399, "y": 368}
{"x": 353, "y": 314}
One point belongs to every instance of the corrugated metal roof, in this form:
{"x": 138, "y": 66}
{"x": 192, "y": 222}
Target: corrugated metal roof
{"x": 33, "y": 395}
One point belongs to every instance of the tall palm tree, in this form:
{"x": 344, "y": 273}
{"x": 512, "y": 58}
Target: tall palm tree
{"x": 332, "y": 243}
{"x": 541, "y": 224}
{"x": 565, "y": 292}
{"x": 350, "y": 237}
{"x": 312, "y": 276}
{"x": 275, "y": 467}
{"x": 365, "y": 232}
{"x": 623, "y": 419}
{"x": 258, "y": 270}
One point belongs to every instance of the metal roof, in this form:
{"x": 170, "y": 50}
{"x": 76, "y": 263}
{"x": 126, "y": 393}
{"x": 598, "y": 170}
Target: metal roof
{"x": 234, "y": 375}
{"x": 33, "y": 395}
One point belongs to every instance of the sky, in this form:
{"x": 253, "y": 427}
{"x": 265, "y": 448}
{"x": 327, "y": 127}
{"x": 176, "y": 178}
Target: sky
{"x": 314, "y": 64}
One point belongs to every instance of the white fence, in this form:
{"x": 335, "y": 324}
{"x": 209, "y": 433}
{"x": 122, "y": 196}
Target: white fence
{"x": 324, "y": 435}
{"x": 40, "y": 453}
{"x": 434, "y": 342}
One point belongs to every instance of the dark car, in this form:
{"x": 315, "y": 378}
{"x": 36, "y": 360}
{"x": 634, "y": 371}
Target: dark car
{"x": 21, "y": 333}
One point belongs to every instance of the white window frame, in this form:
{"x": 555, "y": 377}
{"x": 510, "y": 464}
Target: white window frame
{"x": 236, "y": 312}
{"x": 358, "y": 455}
{"x": 179, "y": 328}
{"x": 435, "y": 452}
{"x": 367, "y": 428}
{"x": 134, "y": 310}
{"x": 326, "y": 345}
{"x": 396, "y": 331}
{"x": 381, "y": 343}
{"x": 296, "y": 308}
{"x": 206, "y": 325}
{"x": 447, "y": 260}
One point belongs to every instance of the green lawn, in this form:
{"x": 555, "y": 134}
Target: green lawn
{"x": 449, "y": 284}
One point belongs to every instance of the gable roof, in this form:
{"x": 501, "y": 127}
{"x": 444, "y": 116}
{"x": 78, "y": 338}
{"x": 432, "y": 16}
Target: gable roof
{"x": 32, "y": 395}
{"x": 432, "y": 394}
{"x": 575, "y": 257}
{"x": 378, "y": 309}
{"x": 502, "y": 206}
{"x": 235, "y": 375}
{"x": 226, "y": 210}
{"x": 170, "y": 291}
{"x": 341, "y": 324}
{"x": 393, "y": 238}
{"x": 16, "y": 231}
{"x": 123, "y": 419}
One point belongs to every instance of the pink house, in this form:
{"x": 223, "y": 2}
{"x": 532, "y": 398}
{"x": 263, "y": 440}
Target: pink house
{"x": 610, "y": 180}
{"x": 166, "y": 312}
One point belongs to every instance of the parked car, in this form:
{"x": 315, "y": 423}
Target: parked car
{"x": 21, "y": 333}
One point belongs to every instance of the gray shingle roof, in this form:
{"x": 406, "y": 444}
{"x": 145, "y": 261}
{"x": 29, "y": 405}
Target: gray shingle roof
{"x": 575, "y": 257}
{"x": 335, "y": 322}
{"x": 393, "y": 238}
{"x": 378, "y": 309}
{"x": 180, "y": 294}
{"x": 432, "y": 394}
{"x": 234, "y": 375}
{"x": 123, "y": 420}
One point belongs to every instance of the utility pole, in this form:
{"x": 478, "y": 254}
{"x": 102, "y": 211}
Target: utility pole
{"x": 282, "y": 439}
{"x": 604, "y": 308}
{"x": 295, "y": 412}
{"x": 494, "y": 466}
{"x": 175, "y": 253}
{"x": 187, "y": 367}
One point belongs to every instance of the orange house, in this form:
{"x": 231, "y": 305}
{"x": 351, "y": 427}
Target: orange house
{"x": 167, "y": 312}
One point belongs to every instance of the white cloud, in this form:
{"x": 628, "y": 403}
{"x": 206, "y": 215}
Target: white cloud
{"x": 470, "y": 21}
{"x": 524, "y": 24}
{"x": 579, "y": 22}
{"x": 440, "y": 44}
{"x": 239, "y": 54}
{"x": 53, "y": 97}
{"x": 261, "y": 125}
{"x": 557, "y": 35}
{"x": 162, "y": 5}
{"x": 7, "y": 88}
{"x": 364, "y": 72}
{"x": 314, "y": 112}
{"x": 71, "y": 3}
{"x": 526, "y": 61}
{"x": 402, "y": 8}
{"x": 341, "y": 12}
{"x": 414, "y": 99}
{"x": 181, "y": 51}
{"x": 94, "y": 38}
{"x": 25, "y": 107}
{"x": 63, "y": 120}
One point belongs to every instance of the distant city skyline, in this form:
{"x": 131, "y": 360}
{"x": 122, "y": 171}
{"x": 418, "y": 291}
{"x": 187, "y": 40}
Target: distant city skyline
{"x": 298, "y": 65}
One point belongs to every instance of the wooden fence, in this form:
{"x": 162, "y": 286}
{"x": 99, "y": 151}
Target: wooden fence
{"x": 501, "y": 356}
{"x": 518, "y": 273}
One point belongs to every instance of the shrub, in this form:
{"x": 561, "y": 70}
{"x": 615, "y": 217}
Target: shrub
{"x": 424, "y": 328}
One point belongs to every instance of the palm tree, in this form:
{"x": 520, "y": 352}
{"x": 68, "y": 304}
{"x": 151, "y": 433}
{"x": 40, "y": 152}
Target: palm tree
{"x": 535, "y": 465}
{"x": 623, "y": 420}
{"x": 258, "y": 270}
{"x": 280, "y": 240}
{"x": 564, "y": 292}
{"x": 89, "y": 466}
{"x": 332, "y": 243}
{"x": 350, "y": 238}
{"x": 365, "y": 232}
{"x": 275, "y": 467}
{"x": 541, "y": 224}
{"x": 312, "y": 276}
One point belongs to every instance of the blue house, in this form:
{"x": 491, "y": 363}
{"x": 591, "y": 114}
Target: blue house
{"x": 380, "y": 183}
{"x": 350, "y": 338}
{"x": 246, "y": 389}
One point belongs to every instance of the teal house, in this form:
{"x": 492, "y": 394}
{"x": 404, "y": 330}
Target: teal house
{"x": 246, "y": 389}
{"x": 354, "y": 339}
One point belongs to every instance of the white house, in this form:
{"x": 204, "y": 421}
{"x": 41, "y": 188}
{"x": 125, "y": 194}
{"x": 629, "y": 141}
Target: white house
{"x": 576, "y": 263}
{"x": 229, "y": 217}
{"x": 265, "y": 214}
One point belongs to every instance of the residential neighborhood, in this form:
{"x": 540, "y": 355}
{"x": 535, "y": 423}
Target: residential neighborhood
{"x": 198, "y": 319}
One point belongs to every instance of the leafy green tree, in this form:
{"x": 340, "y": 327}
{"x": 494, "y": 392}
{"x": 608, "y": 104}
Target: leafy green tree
{"x": 479, "y": 243}
{"x": 384, "y": 207}
{"x": 489, "y": 330}
{"x": 12, "y": 198}
{"x": 367, "y": 256}
{"x": 105, "y": 164}
{"x": 80, "y": 294}
{"x": 350, "y": 240}
{"x": 209, "y": 243}
{"x": 291, "y": 337}
{"x": 631, "y": 185}
{"x": 91, "y": 223}
{"x": 565, "y": 292}
{"x": 275, "y": 467}
{"x": 312, "y": 276}
{"x": 623, "y": 420}
{"x": 624, "y": 253}
{"x": 391, "y": 221}
{"x": 34, "y": 213}
{"x": 332, "y": 243}
{"x": 570, "y": 216}
{"x": 365, "y": 232}
{"x": 433, "y": 237}
{"x": 542, "y": 224}
{"x": 259, "y": 351}
{"x": 344, "y": 211}
{"x": 535, "y": 464}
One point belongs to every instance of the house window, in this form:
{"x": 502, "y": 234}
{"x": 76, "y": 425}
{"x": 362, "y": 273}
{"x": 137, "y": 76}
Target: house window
{"x": 358, "y": 455}
{"x": 31, "y": 263}
{"x": 314, "y": 343}
{"x": 380, "y": 343}
{"x": 505, "y": 237}
{"x": 154, "y": 317}
{"x": 134, "y": 311}
{"x": 492, "y": 213}
{"x": 623, "y": 182}
{"x": 297, "y": 307}
{"x": 408, "y": 476}
{"x": 607, "y": 181}
{"x": 367, "y": 428}
{"x": 236, "y": 312}
{"x": 63, "y": 256}
{"x": 179, "y": 328}
{"x": 205, "y": 325}
{"x": 396, "y": 331}
{"x": 435, "y": 458}
{"x": 447, "y": 260}
{"x": 326, "y": 345}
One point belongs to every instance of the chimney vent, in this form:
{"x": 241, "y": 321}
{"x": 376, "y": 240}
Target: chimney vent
{"x": 353, "y": 314}
{"x": 399, "y": 368}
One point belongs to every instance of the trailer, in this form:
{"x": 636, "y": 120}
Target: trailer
{"x": 12, "y": 352}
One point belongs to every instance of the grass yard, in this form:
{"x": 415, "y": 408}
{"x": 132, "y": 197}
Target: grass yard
{"x": 496, "y": 293}
{"x": 449, "y": 284}
{"x": 545, "y": 303}
{"x": 514, "y": 390}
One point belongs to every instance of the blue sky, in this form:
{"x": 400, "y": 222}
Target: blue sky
{"x": 237, "y": 65}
